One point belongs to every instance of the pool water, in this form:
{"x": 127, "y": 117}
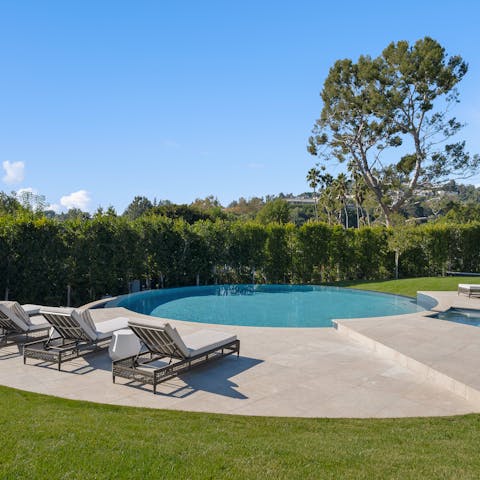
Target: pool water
{"x": 461, "y": 315}
{"x": 265, "y": 305}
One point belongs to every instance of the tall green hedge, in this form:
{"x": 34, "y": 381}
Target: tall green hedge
{"x": 39, "y": 258}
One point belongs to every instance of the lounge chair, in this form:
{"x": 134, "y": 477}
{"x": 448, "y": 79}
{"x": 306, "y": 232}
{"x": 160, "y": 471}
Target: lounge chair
{"x": 162, "y": 341}
{"x": 77, "y": 334}
{"x": 21, "y": 320}
{"x": 468, "y": 289}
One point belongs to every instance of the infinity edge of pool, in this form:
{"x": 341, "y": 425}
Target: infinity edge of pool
{"x": 265, "y": 305}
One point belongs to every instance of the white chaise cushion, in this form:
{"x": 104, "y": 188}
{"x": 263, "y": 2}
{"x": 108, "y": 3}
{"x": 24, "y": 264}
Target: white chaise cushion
{"x": 38, "y": 322}
{"x": 106, "y": 328}
{"x": 31, "y": 309}
{"x": 177, "y": 339}
{"x": 469, "y": 286}
{"x": 166, "y": 327}
{"x": 204, "y": 340}
{"x": 20, "y": 312}
{"x": 94, "y": 331}
{"x": 64, "y": 310}
{"x": 77, "y": 316}
{"x": 17, "y": 315}
{"x": 86, "y": 323}
{"x": 86, "y": 317}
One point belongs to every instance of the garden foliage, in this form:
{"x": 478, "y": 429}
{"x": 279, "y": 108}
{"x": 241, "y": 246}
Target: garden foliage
{"x": 100, "y": 256}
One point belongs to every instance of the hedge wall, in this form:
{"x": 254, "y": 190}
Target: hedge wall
{"x": 39, "y": 258}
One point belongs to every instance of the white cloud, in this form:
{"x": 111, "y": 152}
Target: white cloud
{"x": 79, "y": 199}
{"x": 21, "y": 191}
{"x": 55, "y": 207}
{"x": 14, "y": 171}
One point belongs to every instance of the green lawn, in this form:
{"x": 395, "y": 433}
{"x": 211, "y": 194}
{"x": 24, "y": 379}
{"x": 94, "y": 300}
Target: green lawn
{"x": 410, "y": 286}
{"x": 46, "y": 437}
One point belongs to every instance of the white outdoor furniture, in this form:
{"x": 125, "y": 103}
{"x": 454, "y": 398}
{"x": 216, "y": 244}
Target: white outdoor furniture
{"x": 79, "y": 335}
{"x": 31, "y": 309}
{"x": 21, "y": 320}
{"x": 162, "y": 341}
{"x": 124, "y": 344}
{"x": 468, "y": 289}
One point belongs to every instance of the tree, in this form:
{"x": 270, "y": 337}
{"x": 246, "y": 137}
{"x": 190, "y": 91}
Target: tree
{"x": 313, "y": 179}
{"x": 188, "y": 213}
{"x": 9, "y": 204}
{"x": 138, "y": 207}
{"x": 359, "y": 190}
{"x": 246, "y": 208}
{"x": 399, "y": 241}
{"x": 340, "y": 187}
{"x": 31, "y": 201}
{"x": 73, "y": 214}
{"x": 207, "y": 203}
{"x": 276, "y": 211}
{"x": 327, "y": 195}
{"x": 394, "y": 106}
{"x": 210, "y": 206}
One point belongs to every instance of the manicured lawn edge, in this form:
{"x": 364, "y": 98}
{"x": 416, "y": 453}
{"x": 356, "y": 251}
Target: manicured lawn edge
{"x": 48, "y": 437}
{"x": 410, "y": 286}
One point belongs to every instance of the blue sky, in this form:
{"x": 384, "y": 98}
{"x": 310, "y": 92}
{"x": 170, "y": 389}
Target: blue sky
{"x": 105, "y": 100}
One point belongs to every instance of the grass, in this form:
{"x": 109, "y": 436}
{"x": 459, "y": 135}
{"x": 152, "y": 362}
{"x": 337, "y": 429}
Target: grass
{"x": 47, "y": 437}
{"x": 410, "y": 286}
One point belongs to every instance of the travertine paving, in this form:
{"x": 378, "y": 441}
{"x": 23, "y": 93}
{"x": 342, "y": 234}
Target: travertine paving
{"x": 311, "y": 372}
{"x": 446, "y": 353}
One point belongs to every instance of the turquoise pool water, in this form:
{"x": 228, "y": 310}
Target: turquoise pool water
{"x": 461, "y": 315}
{"x": 265, "y": 305}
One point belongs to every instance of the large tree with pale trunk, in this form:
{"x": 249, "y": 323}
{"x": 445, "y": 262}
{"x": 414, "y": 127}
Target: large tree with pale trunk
{"x": 388, "y": 119}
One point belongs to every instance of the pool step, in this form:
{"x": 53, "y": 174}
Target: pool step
{"x": 444, "y": 353}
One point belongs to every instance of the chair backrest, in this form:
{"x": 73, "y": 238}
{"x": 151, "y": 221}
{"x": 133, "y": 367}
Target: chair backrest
{"x": 69, "y": 325}
{"x": 11, "y": 318}
{"x": 160, "y": 339}
{"x": 7, "y": 324}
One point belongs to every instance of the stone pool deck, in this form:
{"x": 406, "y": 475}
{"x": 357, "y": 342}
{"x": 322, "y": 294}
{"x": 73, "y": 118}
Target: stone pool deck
{"x": 443, "y": 352}
{"x": 311, "y": 372}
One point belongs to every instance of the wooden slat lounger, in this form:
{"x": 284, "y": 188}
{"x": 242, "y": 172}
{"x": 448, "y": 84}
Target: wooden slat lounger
{"x": 78, "y": 335}
{"x": 162, "y": 341}
{"x": 468, "y": 289}
{"x": 18, "y": 321}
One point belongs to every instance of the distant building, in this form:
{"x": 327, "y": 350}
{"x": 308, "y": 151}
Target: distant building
{"x": 300, "y": 201}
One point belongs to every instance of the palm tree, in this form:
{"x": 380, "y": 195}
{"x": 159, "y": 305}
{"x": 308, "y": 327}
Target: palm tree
{"x": 341, "y": 190}
{"x": 328, "y": 195}
{"x": 359, "y": 190}
{"x": 313, "y": 179}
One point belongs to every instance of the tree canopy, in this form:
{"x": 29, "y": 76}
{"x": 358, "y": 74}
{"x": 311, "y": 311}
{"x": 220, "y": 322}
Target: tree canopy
{"x": 138, "y": 207}
{"x": 388, "y": 119}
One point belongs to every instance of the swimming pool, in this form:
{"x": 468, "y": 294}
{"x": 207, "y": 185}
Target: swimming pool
{"x": 461, "y": 315}
{"x": 265, "y": 305}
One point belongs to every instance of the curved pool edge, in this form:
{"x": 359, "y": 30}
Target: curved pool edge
{"x": 433, "y": 302}
{"x": 370, "y": 303}
{"x": 261, "y": 382}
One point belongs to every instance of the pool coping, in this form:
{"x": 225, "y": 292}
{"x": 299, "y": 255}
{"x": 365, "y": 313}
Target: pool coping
{"x": 101, "y": 303}
{"x": 335, "y": 377}
{"x": 465, "y": 384}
